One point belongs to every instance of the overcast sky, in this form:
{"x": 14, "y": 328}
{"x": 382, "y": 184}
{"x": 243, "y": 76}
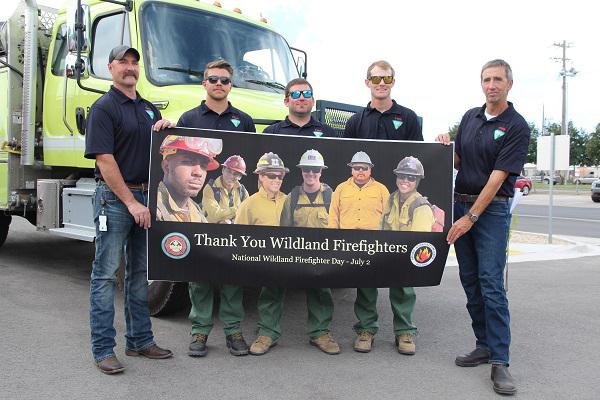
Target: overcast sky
{"x": 438, "y": 48}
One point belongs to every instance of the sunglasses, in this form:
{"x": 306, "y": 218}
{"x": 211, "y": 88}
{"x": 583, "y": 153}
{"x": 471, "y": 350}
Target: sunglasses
{"x": 274, "y": 176}
{"x": 410, "y": 178}
{"x": 314, "y": 170}
{"x": 225, "y": 80}
{"x": 360, "y": 168}
{"x": 306, "y": 93}
{"x": 377, "y": 79}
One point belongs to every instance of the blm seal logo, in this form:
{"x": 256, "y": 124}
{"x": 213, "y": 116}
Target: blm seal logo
{"x": 422, "y": 254}
{"x": 175, "y": 245}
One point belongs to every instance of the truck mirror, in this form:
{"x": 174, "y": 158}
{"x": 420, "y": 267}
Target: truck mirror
{"x": 78, "y": 28}
{"x": 71, "y": 63}
{"x": 301, "y": 61}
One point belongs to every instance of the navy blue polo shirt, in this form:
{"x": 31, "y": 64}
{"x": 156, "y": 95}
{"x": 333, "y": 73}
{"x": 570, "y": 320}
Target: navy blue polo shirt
{"x": 122, "y": 127}
{"x": 483, "y": 145}
{"x": 397, "y": 123}
{"x": 312, "y": 128}
{"x": 203, "y": 117}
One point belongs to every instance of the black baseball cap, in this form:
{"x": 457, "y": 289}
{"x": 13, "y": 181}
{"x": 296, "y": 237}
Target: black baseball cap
{"x": 119, "y": 52}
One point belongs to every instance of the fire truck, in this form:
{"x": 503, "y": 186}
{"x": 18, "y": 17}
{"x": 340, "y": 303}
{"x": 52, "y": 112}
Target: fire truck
{"x": 53, "y": 66}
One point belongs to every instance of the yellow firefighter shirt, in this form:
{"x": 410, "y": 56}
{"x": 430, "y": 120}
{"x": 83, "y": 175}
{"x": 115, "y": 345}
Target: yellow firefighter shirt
{"x": 355, "y": 207}
{"x": 396, "y": 217}
{"x": 168, "y": 210}
{"x": 258, "y": 209}
{"x": 306, "y": 214}
{"x": 219, "y": 211}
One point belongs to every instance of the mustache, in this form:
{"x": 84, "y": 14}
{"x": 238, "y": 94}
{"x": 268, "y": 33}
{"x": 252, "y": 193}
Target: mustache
{"x": 126, "y": 74}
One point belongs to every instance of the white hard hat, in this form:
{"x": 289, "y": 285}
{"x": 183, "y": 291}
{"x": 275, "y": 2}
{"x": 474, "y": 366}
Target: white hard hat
{"x": 312, "y": 158}
{"x": 361, "y": 158}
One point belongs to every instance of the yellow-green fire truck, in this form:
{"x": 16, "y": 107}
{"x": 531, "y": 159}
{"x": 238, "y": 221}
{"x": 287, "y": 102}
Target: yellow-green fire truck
{"x": 53, "y": 66}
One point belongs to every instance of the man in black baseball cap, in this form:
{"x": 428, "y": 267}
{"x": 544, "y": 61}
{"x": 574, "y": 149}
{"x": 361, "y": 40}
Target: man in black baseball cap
{"x": 118, "y": 53}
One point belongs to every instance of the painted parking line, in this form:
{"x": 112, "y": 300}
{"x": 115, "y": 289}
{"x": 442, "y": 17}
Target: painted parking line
{"x": 560, "y": 218}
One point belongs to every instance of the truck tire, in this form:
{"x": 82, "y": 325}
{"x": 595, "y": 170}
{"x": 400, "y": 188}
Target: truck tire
{"x": 5, "y": 221}
{"x": 165, "y": 298}
{"x": 596, "y": 199}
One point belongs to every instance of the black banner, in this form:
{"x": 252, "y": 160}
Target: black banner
{"x": 302, "y": 257}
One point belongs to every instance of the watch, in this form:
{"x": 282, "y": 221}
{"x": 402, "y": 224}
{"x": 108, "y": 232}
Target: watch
{"x": 472, "y": 217}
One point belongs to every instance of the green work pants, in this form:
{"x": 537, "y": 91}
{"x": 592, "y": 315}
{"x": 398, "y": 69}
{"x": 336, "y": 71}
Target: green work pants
{"x": 231, "y": 310}
{"x": 319, "y": 302}
{"x": 402, "y": 301}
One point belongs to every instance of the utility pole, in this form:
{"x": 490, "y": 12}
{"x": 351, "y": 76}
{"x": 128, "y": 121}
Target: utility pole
{"x": 564, "y": 73}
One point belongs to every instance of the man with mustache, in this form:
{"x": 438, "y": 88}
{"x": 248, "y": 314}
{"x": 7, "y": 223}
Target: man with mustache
{"x": 118, "y": 135}
{"x": 216, "y": 112}
{"x": 185, "y": 163}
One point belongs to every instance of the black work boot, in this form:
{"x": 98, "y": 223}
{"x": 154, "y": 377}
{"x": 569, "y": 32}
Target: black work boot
{"x": 474, "y": 358}
{"x": 198, "y": 345}
{"x": 502, "y": 381}
{"x": 236, "y": 344}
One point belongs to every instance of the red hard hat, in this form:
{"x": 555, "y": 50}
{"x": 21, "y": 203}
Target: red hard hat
{"x": 236, "y": 163}
{"x": 206, "y": 147}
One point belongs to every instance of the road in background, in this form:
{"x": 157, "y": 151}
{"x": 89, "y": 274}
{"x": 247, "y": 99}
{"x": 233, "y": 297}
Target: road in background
{"x": 45, "y": 334}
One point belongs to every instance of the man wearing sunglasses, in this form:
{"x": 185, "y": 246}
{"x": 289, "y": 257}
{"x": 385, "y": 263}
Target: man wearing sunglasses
{"x": 221, "y": 198}
{"x": 383, "y": 118}
{"x": 306, "y": 206}
{"x": 300, "y": 101}
{"x": 489, "y": 153}
{"x": 216, "y": 112}
{"x": 185, "y": 163}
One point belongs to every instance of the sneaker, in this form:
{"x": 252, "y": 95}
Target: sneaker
{"x": 261, "y": 345}
{"x": 364, "y": 342}
{"x": 406, "y": 345}
{"x": 198, "y": 345}
{"x": 236, "y": 344}
{"x": 326, "y": 344}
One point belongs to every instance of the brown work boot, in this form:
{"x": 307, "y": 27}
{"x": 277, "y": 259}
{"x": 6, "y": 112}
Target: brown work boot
{"x": 406, "y": 344}
{"x": 110, "y": 366}
{"x": 154, "y": 352}
{"x": 326, "y": 344}
{"x": 261, "y": 345}
{"x": 364, "y": 342}
{"x": 502, "y": 381}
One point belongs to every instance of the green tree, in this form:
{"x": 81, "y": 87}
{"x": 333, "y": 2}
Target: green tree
{"x": 453, "y": 131}
{"x": 532, "y": 150}
{"x": 592, "y": 147}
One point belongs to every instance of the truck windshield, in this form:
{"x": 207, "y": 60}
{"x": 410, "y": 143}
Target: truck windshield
{"x": 180, "y": 41}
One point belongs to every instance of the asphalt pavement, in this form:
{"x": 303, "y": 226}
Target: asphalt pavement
{"x": 45, "y": 335}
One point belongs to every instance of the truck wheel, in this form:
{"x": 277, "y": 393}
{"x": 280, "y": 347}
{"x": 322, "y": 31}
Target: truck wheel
{"x": 166, "y": 298}
{"x": 525, "y": 190}
{"x": 4, "y": 225}
{"x": 596, "y": 199}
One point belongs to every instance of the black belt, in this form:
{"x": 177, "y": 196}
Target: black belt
{"x": 472, "y": 198}
{"x": 133, "y": 186}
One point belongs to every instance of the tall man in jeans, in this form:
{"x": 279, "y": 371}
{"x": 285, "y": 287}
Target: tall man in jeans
{"x": 491, "y": 146}
{"x": 118, "y": 136}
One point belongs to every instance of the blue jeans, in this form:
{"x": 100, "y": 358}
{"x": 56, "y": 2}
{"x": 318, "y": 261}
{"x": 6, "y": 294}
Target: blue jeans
{"x": 123, "y": 238}
{"x": 481, "y": 255}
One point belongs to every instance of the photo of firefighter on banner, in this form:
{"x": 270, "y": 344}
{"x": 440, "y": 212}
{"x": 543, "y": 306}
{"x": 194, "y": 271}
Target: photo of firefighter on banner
{"x": 296, "y": 211}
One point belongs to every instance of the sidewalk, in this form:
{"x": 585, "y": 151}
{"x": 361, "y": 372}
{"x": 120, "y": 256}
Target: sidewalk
{"x": 526, "y": 246}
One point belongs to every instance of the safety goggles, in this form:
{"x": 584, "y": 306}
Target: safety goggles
{"x": 306, "y": 93}
{"x": 360, "y": 167}
{"x": 314, "y": 170}
{"x": 377, "y": 79}
{"x": 213, "y": 79}
{"x": 274, "y": 176}
{"x": 404, "y": 177}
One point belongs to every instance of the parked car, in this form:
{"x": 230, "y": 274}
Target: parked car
{"x": 589, "y": 178}
{"x": 596, "y": 191}
{"x": 524, "y": 184}
{"x": 546, "y": 178}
